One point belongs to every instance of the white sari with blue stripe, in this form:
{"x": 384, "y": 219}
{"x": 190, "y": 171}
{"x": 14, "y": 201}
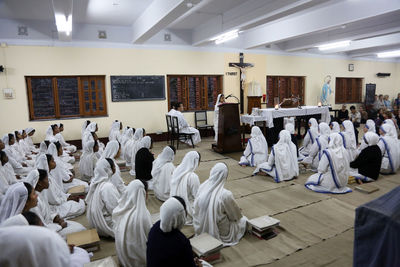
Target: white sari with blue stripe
{"x": 390, "y": 148}
{"x": 333, "y": 169}
{"x": 310, "y": 137}
{"x": 256, "y": 151}
{"x": 282, "y": 162}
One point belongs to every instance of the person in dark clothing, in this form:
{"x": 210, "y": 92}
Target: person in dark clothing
{"x": 166, "y": 244}
{"x": 143, "y": 164}
{"x": 343, "y": 115}
{"x": 368, "y": 162}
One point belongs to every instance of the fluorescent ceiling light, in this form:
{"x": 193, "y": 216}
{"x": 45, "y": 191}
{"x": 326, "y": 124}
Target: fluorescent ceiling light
{"x": 333, "y": 45}
{"x": 225, "y": 37}
{"x": 63, "y": 23}
{"x": 395, "y": 53}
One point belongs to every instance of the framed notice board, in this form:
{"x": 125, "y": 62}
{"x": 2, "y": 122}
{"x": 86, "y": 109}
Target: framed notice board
{"x": 137, "y": 88}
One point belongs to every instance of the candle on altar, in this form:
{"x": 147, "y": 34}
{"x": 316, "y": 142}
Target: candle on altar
{"x": 319, "y": 104}
{"x": 276, "y": 106}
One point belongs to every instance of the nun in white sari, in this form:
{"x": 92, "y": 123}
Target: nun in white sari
{"x": 66, "y": 146}
{"x": 62, "y": 203}
{"x": 88, "y": 160}
{"x": 88, "y": 136}
{"x": 131, "y": 143}
{"x": 369, "y": 127}
{"x": 320, "y": 144}
{"x": 132, "y": 224}
{"x": 115, "y": 133}
{"x": 14, "y": 201}
{"x": 7, "y": 173}
{"x": 48, "y": 214}
{"x": 102, "y": 198}
{"x": 310, "y": 137}
{"x": 389, "y": 145}
{"x": 349, "y": 139}
{"x": 333, "y": 169}
{"x": 112, "y": 152}
{"x": 61, "y": 172}
{"x": 282, "y": 162}
{"x": 256, "y": 151}
{"x": 143, "y": 142}
{"x": 185, "y": 183}
{"x": 30, "y": 132}
{"x": 163, "y": 168}
{"x": 126, "y": 136}
{"x": 216, "y": 114}
{"x": 216, "y": 211}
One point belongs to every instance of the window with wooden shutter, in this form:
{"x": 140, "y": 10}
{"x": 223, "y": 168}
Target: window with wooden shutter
{"x": 348, "y": 90}
{"x": 54, "y": 97}
{"x": 196, "y": 92}
{"x": 285, "y": 87}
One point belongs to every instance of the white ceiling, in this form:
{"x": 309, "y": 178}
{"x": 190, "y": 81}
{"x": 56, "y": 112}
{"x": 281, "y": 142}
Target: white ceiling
{"x": 286, "y": 26}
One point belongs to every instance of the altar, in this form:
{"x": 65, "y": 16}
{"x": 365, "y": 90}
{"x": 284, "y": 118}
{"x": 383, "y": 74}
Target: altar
{"x": 273, "y": 118}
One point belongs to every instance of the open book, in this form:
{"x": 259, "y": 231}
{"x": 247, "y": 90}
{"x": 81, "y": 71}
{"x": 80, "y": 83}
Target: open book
{"x": 88, "y": 239}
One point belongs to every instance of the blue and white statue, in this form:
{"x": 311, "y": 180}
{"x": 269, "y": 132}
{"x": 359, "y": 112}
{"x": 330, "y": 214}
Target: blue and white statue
{"x": 326, "y": 91}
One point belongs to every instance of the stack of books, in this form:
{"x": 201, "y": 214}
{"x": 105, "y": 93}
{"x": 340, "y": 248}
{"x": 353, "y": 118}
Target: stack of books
{"x": 106, "y": 262}
{"x": 264, "y": 227}
{"x": 88, "y": 239}
{"x": 207, "y": 248}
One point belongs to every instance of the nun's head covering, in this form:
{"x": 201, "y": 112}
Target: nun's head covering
{"x": 14, "y": 201}
{"x": 102, "y": 173}
{"x": 324, "y": 129}
{"x": 335, "y": 141}
{"x": 32, "y": 246}
{"x": 41, "y": 163}
{"x": 5, "y": 140}
{"x": 188, "y": 165}
{"x": 167, "y": 155}
{"x": 370, "y": 125}
{"x": 91, "y": 127}
{"x": 172, "y": 215}
{"x": 32, "y": 178}
{"x": 371, "y": 138}
{"x": 29, "y": 130}
{"x": 284, "y": 137}
{"x": 138, "y": 134}
{"x": 15, "y": 220}
{"x": 313, "y": 122}
{"x": 111, "y": 150}
{"x": 335, "y": 127}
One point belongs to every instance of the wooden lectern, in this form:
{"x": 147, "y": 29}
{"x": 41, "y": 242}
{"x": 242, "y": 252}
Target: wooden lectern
{"x": 228, "y": 129}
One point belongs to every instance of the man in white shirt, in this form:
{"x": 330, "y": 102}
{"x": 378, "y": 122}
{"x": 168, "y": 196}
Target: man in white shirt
{"x": 184, "y": 127}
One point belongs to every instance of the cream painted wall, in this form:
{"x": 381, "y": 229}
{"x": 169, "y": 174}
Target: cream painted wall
{"x": 34, "y": 60}
{"x": 29, "y": 60}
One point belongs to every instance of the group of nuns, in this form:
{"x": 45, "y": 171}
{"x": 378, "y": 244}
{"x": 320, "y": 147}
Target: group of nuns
{"x": 329, "y": 151}
{"x": 120, "y": 211}
{"x": 35, "y": 207}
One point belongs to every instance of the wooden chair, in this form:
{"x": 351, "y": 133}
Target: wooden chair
{"x": 177, "y": 135}
{"x": 168, "y": 118}
{"x": 200, "y": 118}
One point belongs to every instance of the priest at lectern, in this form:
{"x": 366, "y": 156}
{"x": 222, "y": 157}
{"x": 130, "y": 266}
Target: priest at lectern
{"x": 227, "y": 126}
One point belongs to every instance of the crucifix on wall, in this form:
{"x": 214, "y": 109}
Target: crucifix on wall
{"x": 242, "y": 68}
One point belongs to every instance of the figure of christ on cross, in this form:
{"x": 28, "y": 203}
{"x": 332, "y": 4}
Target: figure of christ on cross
{"x": 242, "y": 67}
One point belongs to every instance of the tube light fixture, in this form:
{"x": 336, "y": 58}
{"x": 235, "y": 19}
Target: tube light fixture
{"x": 63, "y": 23}
{"x": 225, "y": 37}
{"x": 395, "y": 53}
{"x": 334, "y": 45}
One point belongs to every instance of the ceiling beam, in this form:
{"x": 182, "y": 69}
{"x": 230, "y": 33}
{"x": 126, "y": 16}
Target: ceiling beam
{"x": 371, "y": 52}
{"x": 63, "y": 8}
{"x": 364, "y": 29}
{"x": 249, "y": 15}
{"x": 322, "y": 19}
{"x": 158, "y": 16}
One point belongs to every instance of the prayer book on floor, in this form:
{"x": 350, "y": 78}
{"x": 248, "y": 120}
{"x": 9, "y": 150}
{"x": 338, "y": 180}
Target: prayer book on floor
{"x": 78, "y": 190}
{"x": 263, "y": 227}
{"x": 88, "y": 239}
{"x": 207, "y": 247}
{"x": 367, "y": 188}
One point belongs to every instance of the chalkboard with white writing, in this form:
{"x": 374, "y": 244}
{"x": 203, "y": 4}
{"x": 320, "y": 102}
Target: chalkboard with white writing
{"x": 137, "y": 88}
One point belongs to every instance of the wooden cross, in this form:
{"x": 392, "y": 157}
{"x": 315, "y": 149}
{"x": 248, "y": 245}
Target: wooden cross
{"x": 241, "y": 66}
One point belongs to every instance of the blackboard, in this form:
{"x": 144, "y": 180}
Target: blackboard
{"x": 68, "y": 96}
{"x": 131, "y": 88}
{"x": 42, "y": 96}
{"x": 370, "y": 89}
